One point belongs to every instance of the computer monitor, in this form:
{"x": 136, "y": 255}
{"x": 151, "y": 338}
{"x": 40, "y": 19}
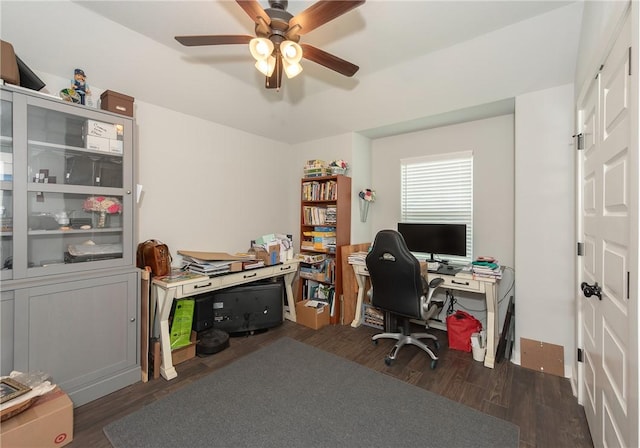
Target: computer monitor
{"x": 435, "y": 239}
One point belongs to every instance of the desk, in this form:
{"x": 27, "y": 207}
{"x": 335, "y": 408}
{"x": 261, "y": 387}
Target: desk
{"x": 485, "y": 286}
{"x": 163, "y": 295}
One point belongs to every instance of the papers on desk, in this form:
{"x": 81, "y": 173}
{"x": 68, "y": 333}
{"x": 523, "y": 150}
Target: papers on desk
{"x": 205, "y": 267}
{"x": 358, "y": 258}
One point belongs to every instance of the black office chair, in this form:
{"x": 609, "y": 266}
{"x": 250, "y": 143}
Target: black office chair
{"x": 398, "y": 288}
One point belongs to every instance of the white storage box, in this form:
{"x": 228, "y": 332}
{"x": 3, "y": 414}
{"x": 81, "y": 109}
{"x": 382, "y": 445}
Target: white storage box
{"x": 96, "y": 143}
{"x": 100, "y": 129}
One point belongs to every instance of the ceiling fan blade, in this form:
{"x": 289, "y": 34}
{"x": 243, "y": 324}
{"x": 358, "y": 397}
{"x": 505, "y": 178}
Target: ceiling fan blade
{"x": 328, "y": 60}
{"x": 194, "y": 41}
{"x": 254, "y": 10}
{"x": 322, "y": 12}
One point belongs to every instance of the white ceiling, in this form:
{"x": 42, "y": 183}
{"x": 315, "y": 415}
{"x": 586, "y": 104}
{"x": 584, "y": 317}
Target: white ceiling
{"x": 419, "y": 60}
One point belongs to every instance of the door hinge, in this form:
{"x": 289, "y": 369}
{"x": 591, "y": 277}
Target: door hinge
{"x": 580, "y": 249}
{"x": 630, "y": 61}
{"x": 580, "y": 140}
{"x": 580, "y": 355}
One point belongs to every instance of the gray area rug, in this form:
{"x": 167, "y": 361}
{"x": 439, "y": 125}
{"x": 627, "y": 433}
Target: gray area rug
{"x": 290, "y": 394}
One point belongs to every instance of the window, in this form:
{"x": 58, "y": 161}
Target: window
{"x": 439, "y": 189}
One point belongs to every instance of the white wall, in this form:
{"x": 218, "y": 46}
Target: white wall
{"x": 350, "y": 147}
{"x": 492, "y": 143}
{"x": 599, "y": 22}
{"x": 207, "y": 186}
{"x": 545, "y": 242}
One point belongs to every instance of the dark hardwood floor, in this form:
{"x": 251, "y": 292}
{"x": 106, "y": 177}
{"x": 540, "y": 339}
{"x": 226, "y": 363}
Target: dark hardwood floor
{"x": 542, "y": 405}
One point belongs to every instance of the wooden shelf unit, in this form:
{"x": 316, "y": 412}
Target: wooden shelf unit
{"x": 319, "y": 194}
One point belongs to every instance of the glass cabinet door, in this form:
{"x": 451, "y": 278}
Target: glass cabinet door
{"x": 77, "y": 203}
{"x": 6, "y": 184}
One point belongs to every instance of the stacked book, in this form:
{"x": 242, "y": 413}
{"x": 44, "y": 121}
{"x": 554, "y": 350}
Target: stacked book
{"x": 357, "y": 258}
{"x": 486, "y": 267}
{"x": 331, "y": 215}
{"x": 205, "y": 267}
{"x": 323, "y": 238}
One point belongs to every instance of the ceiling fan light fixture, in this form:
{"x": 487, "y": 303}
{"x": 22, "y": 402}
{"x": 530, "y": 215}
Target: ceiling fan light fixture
{"x": 291, "y": 69}
{"x": 291, "y": 51}
{"x": 266, "y": 66}
{"x": 260, "y": 48}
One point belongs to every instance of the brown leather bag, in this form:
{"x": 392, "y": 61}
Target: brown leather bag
{"x": 154, "y": 254}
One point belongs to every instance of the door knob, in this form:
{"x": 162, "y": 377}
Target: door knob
{"x": 591, "y": 290}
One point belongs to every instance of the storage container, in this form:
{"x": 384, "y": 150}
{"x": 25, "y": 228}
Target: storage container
{"x": 117, "y": 102}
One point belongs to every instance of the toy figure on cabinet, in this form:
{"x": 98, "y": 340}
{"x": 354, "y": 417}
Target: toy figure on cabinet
{"x": 80, "y": 85}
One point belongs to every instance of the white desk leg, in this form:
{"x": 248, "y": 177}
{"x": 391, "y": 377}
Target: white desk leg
{"x": 291, "y": 300}
{"x": 361, "y": 280}
{"x": 492, "y": 326}
{"x": 165, "y": 300}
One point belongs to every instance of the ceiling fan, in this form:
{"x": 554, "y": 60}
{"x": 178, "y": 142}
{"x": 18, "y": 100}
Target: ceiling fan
{"x": 275, "y": 45}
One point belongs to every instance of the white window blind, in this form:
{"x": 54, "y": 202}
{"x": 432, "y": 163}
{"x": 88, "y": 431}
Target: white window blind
{"x": 439, "y": 189}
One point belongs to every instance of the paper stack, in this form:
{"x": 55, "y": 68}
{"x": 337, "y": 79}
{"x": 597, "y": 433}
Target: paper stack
{"x": 205, "y": 267}
{"x": 487, "y": 267}
{"x": 357, "y": 258}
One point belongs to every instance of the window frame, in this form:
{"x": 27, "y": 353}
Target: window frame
{"x": 453, "y": 171}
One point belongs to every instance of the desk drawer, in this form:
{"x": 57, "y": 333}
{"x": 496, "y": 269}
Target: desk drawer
{"x": 243, "y": 277}
{"x": 461, "y": 284}
{"x": 200, "y": 287}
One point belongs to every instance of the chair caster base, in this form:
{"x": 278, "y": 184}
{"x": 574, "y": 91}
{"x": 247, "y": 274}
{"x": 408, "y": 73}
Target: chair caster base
{"x": 388, "y": 361}
{"x": 434, "y": 363}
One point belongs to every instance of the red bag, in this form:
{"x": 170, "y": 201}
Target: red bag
{"x": 460, "y": 326}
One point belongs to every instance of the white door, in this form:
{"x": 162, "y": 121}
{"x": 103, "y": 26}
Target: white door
{"x": 608, "y": 324}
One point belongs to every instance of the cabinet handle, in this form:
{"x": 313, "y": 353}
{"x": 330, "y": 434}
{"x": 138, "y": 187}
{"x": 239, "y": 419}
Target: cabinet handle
{"x": 202, "y": 286}
{"x": 249, "y": 276}
{"x": 133, "y": 319}
{"x": 285, "y": 269}
{"x": 460, "y": 283}
{"x": 128, "y": 191}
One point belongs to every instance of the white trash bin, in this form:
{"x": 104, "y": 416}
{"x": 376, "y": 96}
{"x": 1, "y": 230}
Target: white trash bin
{"x": 477, "y": 346}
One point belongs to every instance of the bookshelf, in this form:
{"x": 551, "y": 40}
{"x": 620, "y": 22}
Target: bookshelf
{"x": 325, "y": 226}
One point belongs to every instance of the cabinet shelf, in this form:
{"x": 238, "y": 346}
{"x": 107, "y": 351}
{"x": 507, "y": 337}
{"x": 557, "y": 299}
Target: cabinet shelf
{"x": 76, "y": 231}
{"x": 48, "y": 147}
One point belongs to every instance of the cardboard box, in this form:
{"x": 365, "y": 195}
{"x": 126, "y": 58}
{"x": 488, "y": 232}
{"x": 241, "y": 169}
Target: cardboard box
{"x": 185, "y": 353}
{"x": 315, "y": 318}
{"x": 100, "y": 129}
{"x": 274, "y": 254}
{"x": 47, "y": 423}
{"x": 96, "y": 143}
{"x": 9, "y": 64}
{"x": 117, "y": 102}
{"x": 116, "y": 146}
{"x": 270, "y": 257}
